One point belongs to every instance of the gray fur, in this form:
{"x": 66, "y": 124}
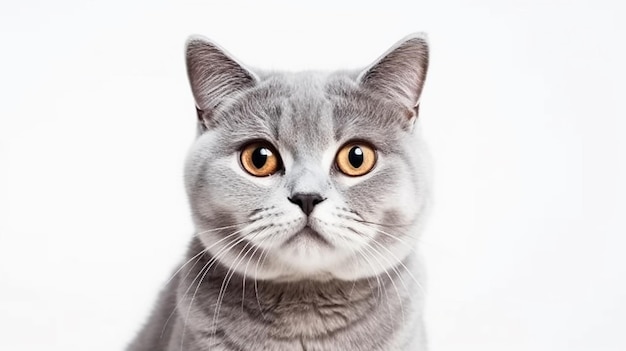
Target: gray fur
{"x": 254, "y": 278}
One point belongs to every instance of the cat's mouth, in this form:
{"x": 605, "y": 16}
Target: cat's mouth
{"x": 305, "y": 236}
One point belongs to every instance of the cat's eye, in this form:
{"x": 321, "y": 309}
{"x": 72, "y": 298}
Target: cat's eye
{"x": 356, "y": 159}
{"x": 260, "y": 159}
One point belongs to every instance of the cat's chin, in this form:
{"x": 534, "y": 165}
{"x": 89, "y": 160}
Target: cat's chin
{"x": 346, "y": 269}
{"x": 312, "y": 254}
{"x": 307, "y": 237}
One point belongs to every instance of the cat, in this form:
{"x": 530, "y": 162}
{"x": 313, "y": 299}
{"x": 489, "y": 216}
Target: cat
{"x": 309, "y": 192}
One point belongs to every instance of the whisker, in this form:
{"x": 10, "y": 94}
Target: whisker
{"x": 222, "y": 228}
{"x": 413, "y": 248}
{"x": 245, "y": 273}
{"x": 226, "y": 281}
{"x": 191, "y": 269}
{"x": 378, "y": 282}
{"x": 179, "y": 302}
{"x": 203, "y": 251}
{"x": 190, "y": 304}
{"x": 390, "y": 278}
{"x": 420, "y": 240}
{"x": 393, "y": 236}
{"x": 263, "y": 256}
{"x": 265, "y": 214}
{"x": 210, "y": 263}
{"x": 383, "y": 225}
{"x": 357, "y": 217}
{"x": 183, "y": 266}
{"x": 381, "y": 287}
{"x": 403, "y": 266}
{"x": 229, "y": 274}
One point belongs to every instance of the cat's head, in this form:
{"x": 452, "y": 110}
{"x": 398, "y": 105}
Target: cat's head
{"x": 308, "y": 175}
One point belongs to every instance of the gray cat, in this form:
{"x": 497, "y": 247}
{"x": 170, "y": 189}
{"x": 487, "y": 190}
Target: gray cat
{"x": 308, "y": 192}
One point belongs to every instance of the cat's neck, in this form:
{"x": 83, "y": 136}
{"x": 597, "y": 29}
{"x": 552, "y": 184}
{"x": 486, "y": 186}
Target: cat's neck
{"x": 298, "y": 309}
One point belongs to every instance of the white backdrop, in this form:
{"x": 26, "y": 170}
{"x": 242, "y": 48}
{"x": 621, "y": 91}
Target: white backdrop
{"x": 521, "y": 108}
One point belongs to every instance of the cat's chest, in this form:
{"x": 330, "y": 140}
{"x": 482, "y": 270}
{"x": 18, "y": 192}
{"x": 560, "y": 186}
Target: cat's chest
{"x": 301, "y": 318}
{"x": 309, "y": 329}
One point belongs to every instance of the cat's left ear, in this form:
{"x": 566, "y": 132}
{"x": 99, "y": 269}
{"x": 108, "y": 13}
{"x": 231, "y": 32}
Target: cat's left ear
{"x": 214, "y": 75}
{"x": 399, "y": 74}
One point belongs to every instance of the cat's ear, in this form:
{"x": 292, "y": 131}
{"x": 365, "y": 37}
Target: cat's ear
{"x": 400, "y": 72}
{"x": 214, "y": 74}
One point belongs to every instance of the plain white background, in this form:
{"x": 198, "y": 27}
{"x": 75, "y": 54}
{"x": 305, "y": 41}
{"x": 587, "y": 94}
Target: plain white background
{"x": 522, "y": 109}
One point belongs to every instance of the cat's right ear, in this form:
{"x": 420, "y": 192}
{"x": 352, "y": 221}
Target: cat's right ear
{"x": 399, "y": 73}
{"x": 214, "y": 75}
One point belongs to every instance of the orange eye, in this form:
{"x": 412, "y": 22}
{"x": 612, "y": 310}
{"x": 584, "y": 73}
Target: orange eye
{"x": 260, "y": 159}
{"x": 356, "y": 159}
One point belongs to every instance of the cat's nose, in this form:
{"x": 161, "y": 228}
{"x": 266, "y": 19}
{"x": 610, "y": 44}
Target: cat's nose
{"x": 306, "y": 201}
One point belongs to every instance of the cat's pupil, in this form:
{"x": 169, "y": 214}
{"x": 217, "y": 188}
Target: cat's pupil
{"x": 355, "y": 156}
{"x": 259, "y": 157}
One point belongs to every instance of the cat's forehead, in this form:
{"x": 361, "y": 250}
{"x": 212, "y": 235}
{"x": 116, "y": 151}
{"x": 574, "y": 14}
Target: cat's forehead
{"x": 306, "y": 122}
{"x": 306, "y": 112}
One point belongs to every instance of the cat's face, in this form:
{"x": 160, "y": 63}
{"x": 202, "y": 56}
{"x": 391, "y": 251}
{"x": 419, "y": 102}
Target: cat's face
{"x": 308, "y": 175}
